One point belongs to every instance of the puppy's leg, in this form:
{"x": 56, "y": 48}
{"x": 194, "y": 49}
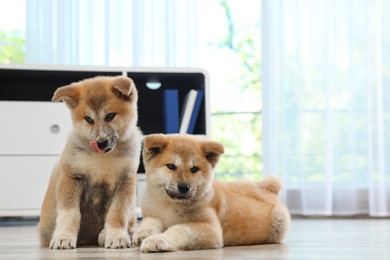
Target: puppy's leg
{"x": 280, "y": 224}
{"x": 132, "y": 224}
{"x": 149, "y": 226}
{"x": 122, "y": 208}
{"x": 130, "y": 229}
{"x": 188, "y": 236}
{"x": 47, "y": 219}
{"x": 68, "y": 195}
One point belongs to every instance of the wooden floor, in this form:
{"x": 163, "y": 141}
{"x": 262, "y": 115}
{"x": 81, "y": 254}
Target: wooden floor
{"x": 308, "y": 239}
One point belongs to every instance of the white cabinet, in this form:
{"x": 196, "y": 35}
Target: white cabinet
{"x": 33, "y": 135}
{"x": 33, "y": 130}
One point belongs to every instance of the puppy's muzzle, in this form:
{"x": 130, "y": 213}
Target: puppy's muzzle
{"x": 100, "y": 147}
{"x": 181, "y": 192}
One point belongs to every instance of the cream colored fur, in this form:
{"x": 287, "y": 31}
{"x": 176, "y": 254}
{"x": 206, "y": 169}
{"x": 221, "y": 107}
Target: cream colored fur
{"x": 91, "y": 195}
{"x": 184, "y": 208}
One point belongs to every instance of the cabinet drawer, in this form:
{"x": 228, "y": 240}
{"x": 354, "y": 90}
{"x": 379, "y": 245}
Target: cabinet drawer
{"x": 33, "y": 128}
{"x": 24, "y": 181}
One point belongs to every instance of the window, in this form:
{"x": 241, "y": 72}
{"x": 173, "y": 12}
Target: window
{"x": 221, "y": 36}
{"x": 229, "y": 49}
{"x": 13, "y": 32}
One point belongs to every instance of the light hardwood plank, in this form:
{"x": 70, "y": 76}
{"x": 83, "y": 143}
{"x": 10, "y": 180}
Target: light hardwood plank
{"x": 308, "y": 239}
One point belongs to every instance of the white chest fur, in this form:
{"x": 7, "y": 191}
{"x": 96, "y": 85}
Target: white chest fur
{"x": 101, "y": 167}
{"x": 158, "y": 205}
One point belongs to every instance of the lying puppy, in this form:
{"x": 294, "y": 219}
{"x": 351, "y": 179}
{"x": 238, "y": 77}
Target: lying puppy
{"x": 184, "y": 209}
{"x": 91, "y": 195}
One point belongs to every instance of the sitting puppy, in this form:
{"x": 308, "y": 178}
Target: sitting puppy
{"x": 184, "y": 209}
{"x": 91, "y": 195}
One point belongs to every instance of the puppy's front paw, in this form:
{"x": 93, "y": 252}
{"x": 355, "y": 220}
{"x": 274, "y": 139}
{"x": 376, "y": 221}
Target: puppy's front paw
{"x": 158, "y": 243}
{"x": 63, "y": 242}
{"x": 140, "y": 235}
{"x": 114, "y": 239}
{"x": 102, "y": 238}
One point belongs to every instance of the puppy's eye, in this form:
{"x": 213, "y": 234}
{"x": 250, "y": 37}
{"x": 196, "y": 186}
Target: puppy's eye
{"x": 171, "y": 166}
{"x": 89, "y": 120}
{"x": 194, "y": 169}
{"x": 110, "y": 116}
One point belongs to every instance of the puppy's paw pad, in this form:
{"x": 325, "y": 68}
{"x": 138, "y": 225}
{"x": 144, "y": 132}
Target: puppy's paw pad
{"x": 118, "y": 242}
{"x": 140, "y": 235}
{"x": 158, "y": 243}
{"x": 62, "y": 243}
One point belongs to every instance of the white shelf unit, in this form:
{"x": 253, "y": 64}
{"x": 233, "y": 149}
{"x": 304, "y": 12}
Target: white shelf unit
{"x": 34, "y": 129}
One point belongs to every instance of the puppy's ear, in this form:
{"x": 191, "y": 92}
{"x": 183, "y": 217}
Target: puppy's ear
{"x": 154, "y": 144}
{"x": 212, "y": 150}
{"x": 124, "y": 87}
{"x": 69, "y": 94}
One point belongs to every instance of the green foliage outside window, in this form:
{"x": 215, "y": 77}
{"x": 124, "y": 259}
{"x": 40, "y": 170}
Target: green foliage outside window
{"x": 241, "y": 131}
{"x": 12, "y": 47}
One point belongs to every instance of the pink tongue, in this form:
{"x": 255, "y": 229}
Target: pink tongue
{"x": 95, "y": 147}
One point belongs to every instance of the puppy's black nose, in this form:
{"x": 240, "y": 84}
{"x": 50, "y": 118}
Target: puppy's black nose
{"x": 183, "y": 187}
{"x": 102, "y": 144}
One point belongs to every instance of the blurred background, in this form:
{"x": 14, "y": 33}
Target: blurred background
{"x": 298, "y": 88}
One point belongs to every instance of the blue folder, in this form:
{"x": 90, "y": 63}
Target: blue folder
{"x": 171, "y": 111}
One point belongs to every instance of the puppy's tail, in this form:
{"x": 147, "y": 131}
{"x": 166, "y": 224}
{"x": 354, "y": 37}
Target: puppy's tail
{"x": 271, "y": 184}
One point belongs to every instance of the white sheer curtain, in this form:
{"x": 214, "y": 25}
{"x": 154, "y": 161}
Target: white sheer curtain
{"x": 326, "y": 104}
{"x": 112, "y": 32}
